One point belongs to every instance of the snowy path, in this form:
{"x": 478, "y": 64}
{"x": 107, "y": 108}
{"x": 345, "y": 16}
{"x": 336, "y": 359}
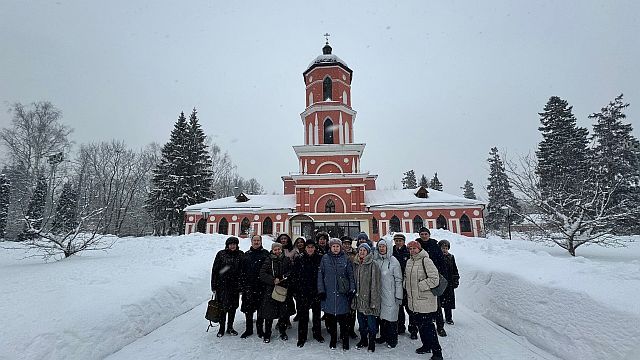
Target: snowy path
{"x": 471, "y": 338}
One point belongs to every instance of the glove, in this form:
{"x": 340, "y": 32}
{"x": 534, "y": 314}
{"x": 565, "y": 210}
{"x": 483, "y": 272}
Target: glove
{"x": 398, "y": 301}
{"x": 322, "y": 296}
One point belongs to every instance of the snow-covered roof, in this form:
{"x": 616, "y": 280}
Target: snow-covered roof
{"x": 406, "y": 198}
{"x": 327, "y": 59}
{"x": 255, "y": 203}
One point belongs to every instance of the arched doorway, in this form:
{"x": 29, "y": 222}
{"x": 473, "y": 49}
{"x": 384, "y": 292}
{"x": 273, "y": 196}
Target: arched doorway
{"x": 465, "y": 223}
{"x": 417, "y": 223}
{"x": 394, "y": 224}
{"x": 201, "y": 227}
{"x": 441, "y": 222}
{"x": 223, "y": 227}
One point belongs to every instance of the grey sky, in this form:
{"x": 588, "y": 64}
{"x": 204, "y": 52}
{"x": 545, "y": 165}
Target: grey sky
{"x": 436, "y": 83}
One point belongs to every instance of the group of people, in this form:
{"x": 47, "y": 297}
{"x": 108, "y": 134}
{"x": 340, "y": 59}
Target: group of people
{"x": 339, "y": 283}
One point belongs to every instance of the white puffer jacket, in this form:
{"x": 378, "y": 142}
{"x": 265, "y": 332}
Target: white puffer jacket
{"x": 418, "y": 284}
{"x": 391, "y": 282}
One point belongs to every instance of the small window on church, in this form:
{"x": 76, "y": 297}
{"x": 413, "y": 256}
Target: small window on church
{"x": 328, "y": 131}
{"x": 245, "y": 226}
{"x": 330, "y": 206}
{"x": 465, "y": 223}
{"x": 326, "y": 89}
{"x": 374, "y": 224}
{"x": 394, "y": 224}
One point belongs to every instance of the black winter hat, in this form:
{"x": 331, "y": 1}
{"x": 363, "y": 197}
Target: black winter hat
{"x": 424, "y": 229}
{"x": 310, "y": 242}
{"x": 231, "y": 240}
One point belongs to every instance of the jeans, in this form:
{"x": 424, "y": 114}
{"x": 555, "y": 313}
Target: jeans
{"x": 367, "y": 324}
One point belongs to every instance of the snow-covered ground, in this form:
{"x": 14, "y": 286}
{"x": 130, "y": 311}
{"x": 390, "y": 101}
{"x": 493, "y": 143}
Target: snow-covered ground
{"x": 146, "y": 297}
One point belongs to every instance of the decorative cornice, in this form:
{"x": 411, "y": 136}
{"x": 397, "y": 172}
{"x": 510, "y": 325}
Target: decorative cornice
{"x": 333, "y": 106}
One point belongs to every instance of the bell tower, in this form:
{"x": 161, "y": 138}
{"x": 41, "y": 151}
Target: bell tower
{"x": 329, "y": 161}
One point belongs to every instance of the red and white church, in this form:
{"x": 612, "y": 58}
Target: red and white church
{"x": 330, "y": 192}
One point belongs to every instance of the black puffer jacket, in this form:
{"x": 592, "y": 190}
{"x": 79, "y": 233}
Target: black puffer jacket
{"x": 448, "y": 299}
{"x": 252, "y": 289}
{"x": 225, "y": 278}
{"x": 274, "y": 267}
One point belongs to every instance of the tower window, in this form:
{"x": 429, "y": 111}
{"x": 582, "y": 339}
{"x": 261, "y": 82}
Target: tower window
{"x": 328, "y": 131}
{"x": 326, "y": 89}
{"x": 330, "y": 206}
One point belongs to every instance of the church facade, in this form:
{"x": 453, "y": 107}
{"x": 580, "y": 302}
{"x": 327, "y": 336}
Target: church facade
{"x": 329, "y": 192}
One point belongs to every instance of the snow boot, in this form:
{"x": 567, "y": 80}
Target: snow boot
{"x": 260, "y": 327}
{"x": 345, "y": 342}
{"x": 249, "y": 328}
{"x": 423, "y": 350}
{"x": 437, "y": 355}
{"x": 266, "y": 338}
{"x": 300, "y": 343}
{"x": 372, "y": 343}
{"x": 221, "y": 330}
{"x": 450, "y": 322}
{"x": 442, "y": 333}
{"x": 363, "y": 343}
{"x": 318, "y": 337}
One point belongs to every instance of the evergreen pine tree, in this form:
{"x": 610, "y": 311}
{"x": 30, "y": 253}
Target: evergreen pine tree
{"x": 5, "y": 192}
{"x": 35, "y": 209}
{"x": 469, "y": 192}
{"x": 615, "y": 162}
{"x": 409, "y": 180}
{"x": 423, "y": 181}
{"x": 66, "y": 218}
{"x": 562, "y": 153}
{"x": 170, "y": 183}
{"x": 199, "y": 159}
{"x": 435, "y": 183}
{"x": 500, "y": 194}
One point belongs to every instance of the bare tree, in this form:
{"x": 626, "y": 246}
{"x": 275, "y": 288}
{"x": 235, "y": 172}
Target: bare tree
{"x": 34, "y": 135}
{"x": 587, "y": 216}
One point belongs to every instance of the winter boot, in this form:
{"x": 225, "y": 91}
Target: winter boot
{"x": 437, "y": 355}
{"x": 318, "y": 337}
{"x": 260, "y": 327}
{"x": 442, "y": 333}
{"x": 449, "y": 322}
{"x": 232, "y": 317}
{"x": 363, "y": 343}
{"x": 300, "y": 343}
{"x": 345, "y": 342}
{"x": 283, "y": 332}
{"x": 221, "y": 330}
{"x": 423, "y": 350}
{"x": 372, "y": 343}
{"x": 249, "y": 326}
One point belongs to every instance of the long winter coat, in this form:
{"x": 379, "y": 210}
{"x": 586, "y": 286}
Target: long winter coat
{"x": 391, "y": 290}
{"x": 225, "y": 278}
{"x": 402, "y": 254}
{"x": 304, "y": 280}
{"x": 419, "y": 284}
{"x": 252, "y": 289}
{"x": 448, "y": 299}
{"x": 274, "y": 267}
{"x": 331, "y": 268}
{"x": 436, "y": 255}
{"x": 368, "y": 297}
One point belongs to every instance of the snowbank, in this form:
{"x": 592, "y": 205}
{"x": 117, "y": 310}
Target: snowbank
{"x": 88, "y": 306}
{"x": 575, "y": 308}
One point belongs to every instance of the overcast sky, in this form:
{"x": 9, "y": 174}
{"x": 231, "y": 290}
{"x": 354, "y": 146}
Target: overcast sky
{"x": 436, "y": 83}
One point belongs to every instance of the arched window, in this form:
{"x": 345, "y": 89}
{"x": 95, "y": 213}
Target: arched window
{"x": 326, "y": 89}
{"x": 344, "y": 97}
{"x": 267, "y": 226}
{"x": 223, "y": 226}
{"x": 417, "y": 223}
{"x": 330, "y": 206}
{"x": 202, "y": 226}
{"x": 310, "y": 98}
{"x": 245, "y": 226}
{"x": 394, "y": 224}
{"x": 374, "y": 224}
{"x": 328, "y": 131}
{"x": 441, "y": 222}
{"x": 465, "y": 223}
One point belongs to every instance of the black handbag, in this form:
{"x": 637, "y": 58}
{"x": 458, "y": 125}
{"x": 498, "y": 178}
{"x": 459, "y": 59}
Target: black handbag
{"x": 214, "y": 312}
{"x": 442, "y": 283}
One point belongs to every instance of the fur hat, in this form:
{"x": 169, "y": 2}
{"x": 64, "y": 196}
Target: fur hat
{"x": 444, "y": 242}
{"x": 365, "y": 246}
{"x": 275, "y": 244}
{"x": 323, "y": 234}
{"x": 414, "y": 244}
{"x": 346, "y": 239}
{"x": 362, "y": 235}
{"x": 231, "y": 240}
{"x": 335, "y": 241}
{"x": 424, "y": 229}
{"x": 310, "y": 242}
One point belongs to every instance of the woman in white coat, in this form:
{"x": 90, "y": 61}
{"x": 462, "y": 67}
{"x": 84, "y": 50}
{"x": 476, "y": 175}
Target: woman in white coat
{"x": 420, "y": 276}
{"x": 391, "y": 293}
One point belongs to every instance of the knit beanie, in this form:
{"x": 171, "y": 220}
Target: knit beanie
{"x": 335, "y": 241}
{"x": 362, "y": 235}
{"x": 414, "y": 244}
{"x": 365, "y": 246}
{"x": 424, "y": 229}
{"x": 276, "y": 245}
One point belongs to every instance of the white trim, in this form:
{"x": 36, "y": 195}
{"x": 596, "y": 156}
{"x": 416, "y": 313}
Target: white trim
{"x": 430, "y": 224}
{"x": 309, "y": 137}
{"x": 329, "y": 176}
{"x": 259, "y": 228}
{"x": 333, "y": 106}
{"x": 340, "y": 132}
{"x": 380, "y": 223}
{"x": 327, "y": 163}
{"x": 344, "y": 205}
{"x": 455, "y": 222}
{"x": 344, "y": 97}
{"x": 310, "y": 98}
{"x": 322, "y": 186}
{"x": 409, "y": 226}
{"x": 347, "y": 132}
{"x": 211, "y": 228}
{"x": 315, "y": 132}
{"x": 329, "y": 149}
{"x": 338, "y": 79}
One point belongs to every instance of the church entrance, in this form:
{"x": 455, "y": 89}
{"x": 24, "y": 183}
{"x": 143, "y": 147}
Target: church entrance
{"x": 335, "y": 229}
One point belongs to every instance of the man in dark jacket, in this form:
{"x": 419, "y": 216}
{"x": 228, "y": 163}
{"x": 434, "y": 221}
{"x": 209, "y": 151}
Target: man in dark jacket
{"x": 304, "y": 284}
{"x": 401, "y": 252}
{"x": 251, "y": 285}
{"x": 437, "y": 256}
